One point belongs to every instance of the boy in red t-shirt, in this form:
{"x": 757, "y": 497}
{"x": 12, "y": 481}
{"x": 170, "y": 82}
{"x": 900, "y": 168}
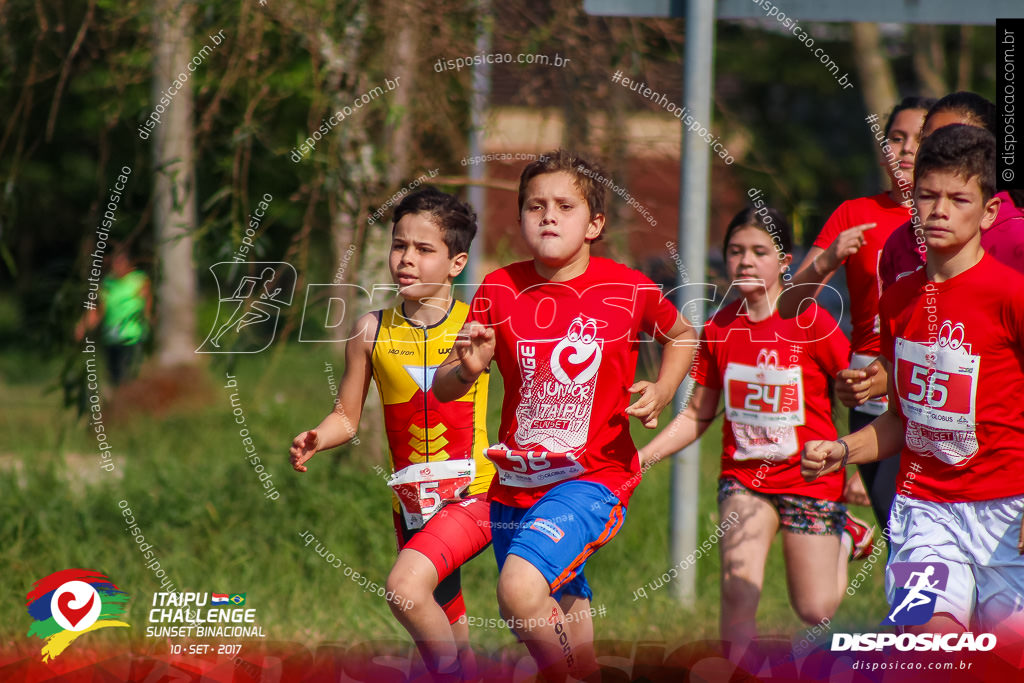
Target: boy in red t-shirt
{"x": 564, "y": 329}
{"x": 953, "y": 336}
{"x": 853, "y": 236}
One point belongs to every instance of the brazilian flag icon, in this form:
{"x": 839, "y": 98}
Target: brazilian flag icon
{"x": 237, "y": 599}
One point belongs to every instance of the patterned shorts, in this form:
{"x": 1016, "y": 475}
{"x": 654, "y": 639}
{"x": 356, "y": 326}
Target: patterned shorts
{"x": 798, "y": 514}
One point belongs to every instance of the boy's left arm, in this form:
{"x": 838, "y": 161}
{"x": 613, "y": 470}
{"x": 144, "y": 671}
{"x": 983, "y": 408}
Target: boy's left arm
{"x": 680, "y": 344}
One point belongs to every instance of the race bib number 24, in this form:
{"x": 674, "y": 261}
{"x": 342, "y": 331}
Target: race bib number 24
{"x": 765, "y": 404}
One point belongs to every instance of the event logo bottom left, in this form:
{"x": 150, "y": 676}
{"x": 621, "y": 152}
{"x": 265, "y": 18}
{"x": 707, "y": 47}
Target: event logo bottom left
{"x": 68, "y": 603}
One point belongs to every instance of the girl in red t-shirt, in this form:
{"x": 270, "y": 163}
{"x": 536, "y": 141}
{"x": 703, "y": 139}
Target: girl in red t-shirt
{"x": 774, "y": 376}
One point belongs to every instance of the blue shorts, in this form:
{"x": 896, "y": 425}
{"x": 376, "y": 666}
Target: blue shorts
{"x": 559, "y": 533}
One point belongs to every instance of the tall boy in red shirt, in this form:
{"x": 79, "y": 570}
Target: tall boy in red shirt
{"x": 953, "y": 335}
{"x": 564, "y": 329}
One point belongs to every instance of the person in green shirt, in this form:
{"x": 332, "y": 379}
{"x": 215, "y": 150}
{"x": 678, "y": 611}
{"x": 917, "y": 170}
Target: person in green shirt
{"x": 123, "y": 314}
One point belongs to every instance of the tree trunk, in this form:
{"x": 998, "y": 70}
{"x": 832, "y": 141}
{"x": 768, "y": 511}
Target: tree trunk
{"x": 874, "y": 72}
{"x": 174, "y": 205}
{"x": 403, "y": 65}
{"x": 929, "y": 60}
{"x": 351, "y": 174}
{"x": 965, "y": 65}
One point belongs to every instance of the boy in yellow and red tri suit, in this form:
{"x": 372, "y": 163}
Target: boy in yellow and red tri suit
{"x": 436, "y": 448}
{"x": 953, "y": 335}
{"x": 564, "y": 329}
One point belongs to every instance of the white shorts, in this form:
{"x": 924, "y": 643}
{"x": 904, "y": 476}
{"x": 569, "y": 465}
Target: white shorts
{"x": 977, "y": 541}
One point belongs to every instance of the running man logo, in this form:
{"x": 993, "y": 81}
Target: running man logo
{"x": 918, "y": 584}
{"x": 247, "y": 318}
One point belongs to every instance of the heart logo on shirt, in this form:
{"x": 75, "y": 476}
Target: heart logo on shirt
{"x": 72, "y": 614}
{"x": 573, "y": 370}
{"x": 583, "y": 359}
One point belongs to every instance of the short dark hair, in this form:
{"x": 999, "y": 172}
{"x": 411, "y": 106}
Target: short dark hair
{"x": 588, "y": 176}
{"x": 455, "y": 218}
{"x": 909, "y": 102}
{"x": 967, "y": 151}
{"x": 974, "y": 108}
{"x": 766, "y": 218}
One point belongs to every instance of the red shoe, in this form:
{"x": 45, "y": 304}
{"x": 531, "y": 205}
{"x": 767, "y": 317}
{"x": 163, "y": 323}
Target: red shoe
{"x": 862, "y": 535}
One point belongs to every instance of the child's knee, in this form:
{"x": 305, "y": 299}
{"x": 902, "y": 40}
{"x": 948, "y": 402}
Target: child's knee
{"x": 507, "y": 590}
{"x": 409, "y": 590}
{"x": 815, "y": 612}
{"x": 520, "y": 592}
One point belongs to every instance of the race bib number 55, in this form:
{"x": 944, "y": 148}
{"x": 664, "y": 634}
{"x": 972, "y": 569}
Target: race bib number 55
{"x": 530, "y": 469}
{"x": 937, "y": 386}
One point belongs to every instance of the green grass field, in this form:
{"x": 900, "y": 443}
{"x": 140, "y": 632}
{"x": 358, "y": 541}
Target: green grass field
{"x": 200, "y": 504}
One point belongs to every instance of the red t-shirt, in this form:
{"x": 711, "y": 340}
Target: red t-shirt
{"x": 957, "y": 349}
{"x": 774, "y": 376}
{"x": 862, "y": 267}
{"x": 567, "y": 352}
{"x": 904, "y": 253}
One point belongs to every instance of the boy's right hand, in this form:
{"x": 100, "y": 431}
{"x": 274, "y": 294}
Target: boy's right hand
{"x": 304, "y": 447}
{"x": 820, "y": 458}
{"x": 475, "y": 347}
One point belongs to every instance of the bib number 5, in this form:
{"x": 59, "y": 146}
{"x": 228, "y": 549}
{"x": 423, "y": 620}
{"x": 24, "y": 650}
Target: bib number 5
{"x": 429, "y": 498}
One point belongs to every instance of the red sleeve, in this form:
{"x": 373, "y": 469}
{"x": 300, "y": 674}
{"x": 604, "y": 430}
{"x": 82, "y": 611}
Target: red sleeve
{"x": 1015, "y": 318}
{"x": 483, "y": 304}
{"x": 836, "y": 223}
{"x": 830, "y": 347}
{"x": 657, "y": 313}
{"x": 705, "y": 368}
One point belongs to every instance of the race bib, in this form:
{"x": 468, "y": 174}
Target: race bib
{"x": 530, "y": 469}
{"x": 873, "y": 406}
{"x": 937, "y": 386}
{"x": 558, "y": 389}
{"x": 423, "y": 489}
{"x": 754, "y": 442}
{"x": 765, "y": 404}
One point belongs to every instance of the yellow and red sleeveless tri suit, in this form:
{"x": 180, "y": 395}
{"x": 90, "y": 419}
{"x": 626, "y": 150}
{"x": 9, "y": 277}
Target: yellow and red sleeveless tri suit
{"x": 419, "y": 427}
